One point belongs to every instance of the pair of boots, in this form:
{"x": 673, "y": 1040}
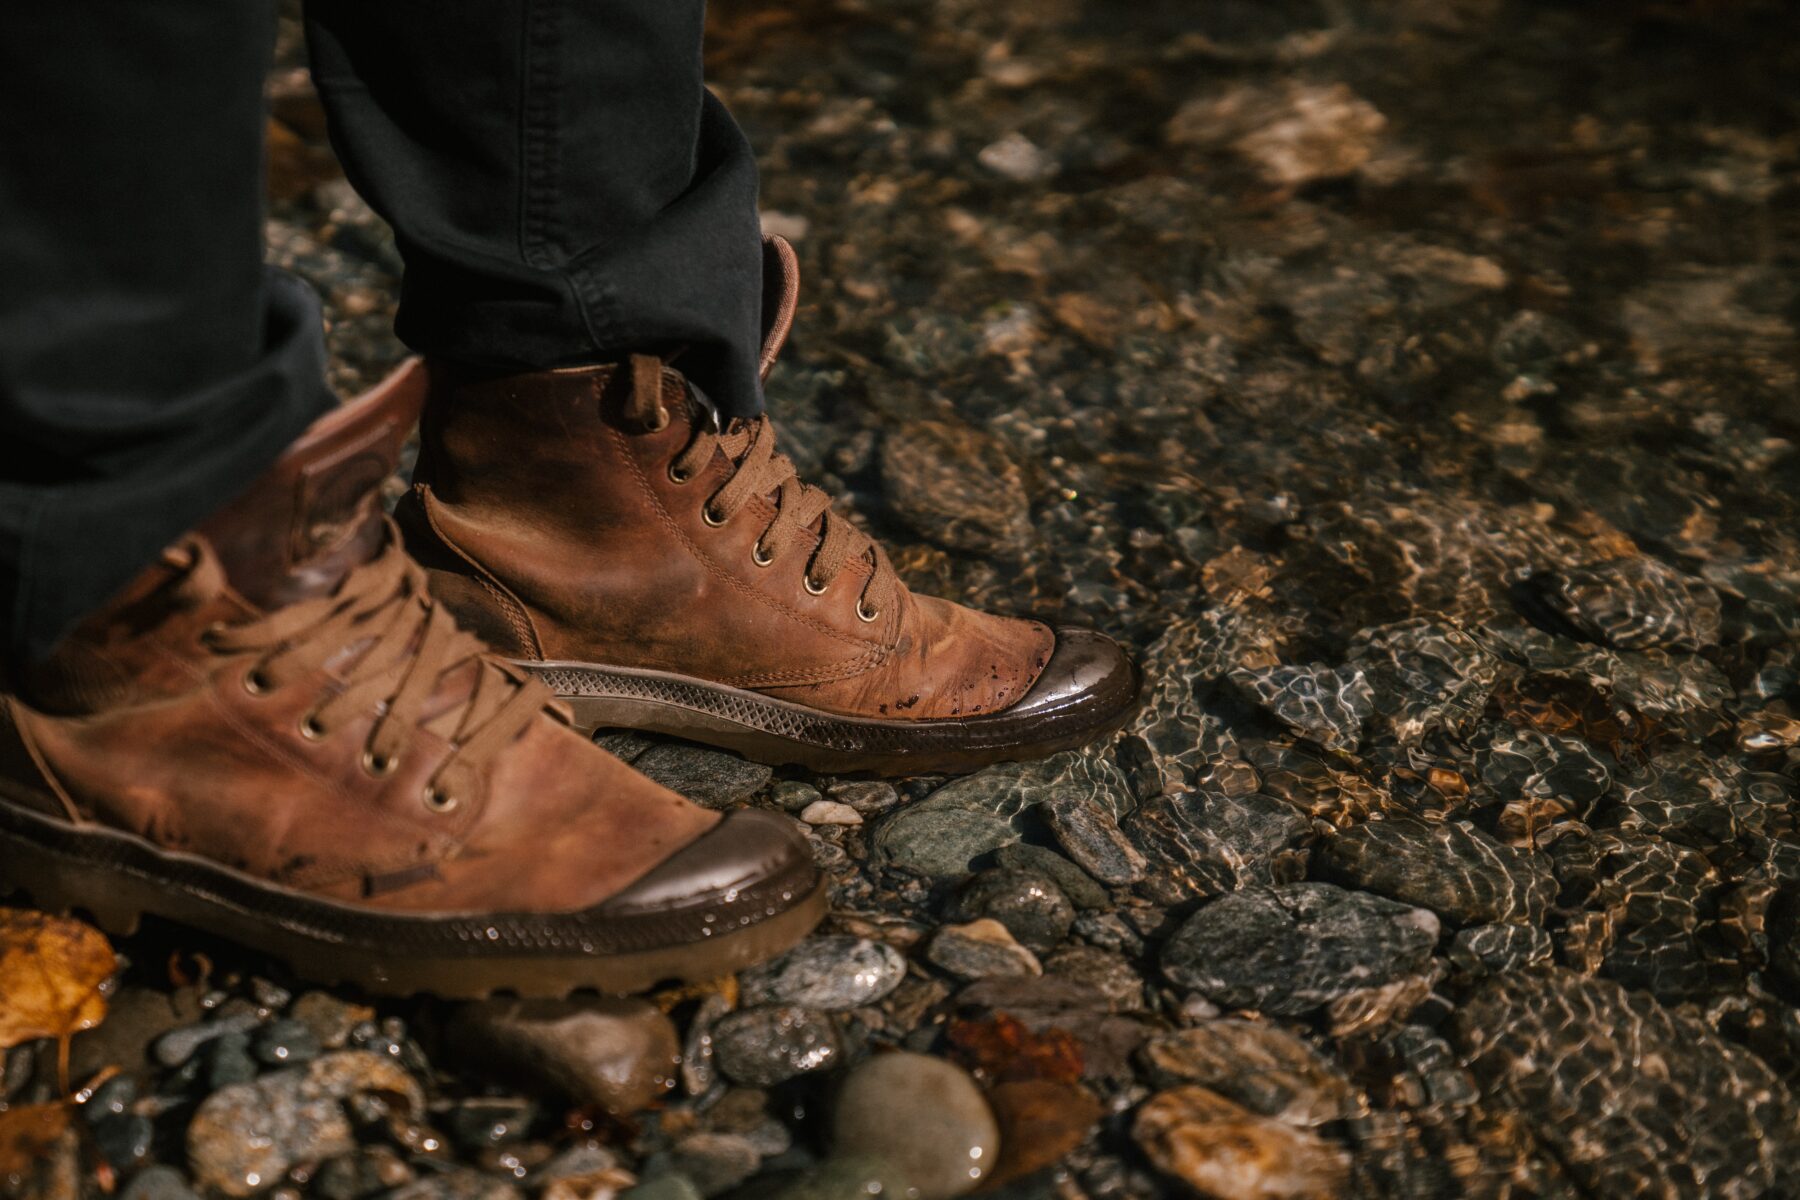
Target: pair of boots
{"x": 376, "y": 765}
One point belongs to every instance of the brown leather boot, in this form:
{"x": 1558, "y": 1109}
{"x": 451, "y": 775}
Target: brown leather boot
{"x": 661, "y": 573}
{"x": 276, "y": 734}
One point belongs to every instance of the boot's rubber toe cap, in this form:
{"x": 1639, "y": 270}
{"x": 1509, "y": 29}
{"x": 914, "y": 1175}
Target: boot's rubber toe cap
{"x": 750, "y": 859}
{"x": 1084, "y": 667}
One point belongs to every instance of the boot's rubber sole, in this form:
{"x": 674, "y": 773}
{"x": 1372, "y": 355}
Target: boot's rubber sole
{"x": 780, "y": 732}
{"x": 119, "y": 878}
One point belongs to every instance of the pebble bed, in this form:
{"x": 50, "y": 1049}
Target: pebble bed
{"x": 1413, "y": 386}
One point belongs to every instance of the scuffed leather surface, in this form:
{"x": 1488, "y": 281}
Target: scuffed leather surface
{"x": 542, "y": 481}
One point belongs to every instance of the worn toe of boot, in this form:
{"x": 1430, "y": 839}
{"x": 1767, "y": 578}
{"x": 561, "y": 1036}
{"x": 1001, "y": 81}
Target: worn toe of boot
{"x": 1087, "y": 671}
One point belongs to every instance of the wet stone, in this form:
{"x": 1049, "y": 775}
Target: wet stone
{"x": 830, "y": 812}
{"x": 459, "y": 1183}
{"x": 330, "y": 1018}
{"x": 830, "y": 974}
{"x": 1224, "y": 1150}
{"x": 1426, "y": 675}
{"x": 715, "y": 1162}
{"x": 1203, "y": 843}
{"x": 1090, "y": 836}
{"x": 711, "y": 778}
{"x": 361, "y": 1173}
{"x": 923, "y": 1115}
{"x": 1527, "y": 764}
{"x": 1567, "y": 1054}
{"x": 1290, "y": 949}
{"x": 179, "y": 1045}
{"x": 1324, "y": 704}
{"x": 1112, "y": 976}
{"x": 1493, "y": 949}
{"x": 285, "y": 1042}
{"x": 1257, "y": 1064}
{"x": 1031, "y": 906}
{"x": 956, "y": 485}
{"x": 1452, "y": 868}
{"x": 762, "y": 1047}
{"x": 124, "y": 1140}
{"x": 941, "y": 841}
{"x": 980, "y": 949}
{"x": 163, "y": 1183}
{"x": 1633, "y": 604}
{"x": 1291, "y": 132}
{"x": 489, "y": 1121}
{"x": 617, "y": 1054}
{"x": 1077, "y": 885}
{"x": 795, "y": 796}
{"x": 244, "y": 1138}
{"x": 869, "y": 797}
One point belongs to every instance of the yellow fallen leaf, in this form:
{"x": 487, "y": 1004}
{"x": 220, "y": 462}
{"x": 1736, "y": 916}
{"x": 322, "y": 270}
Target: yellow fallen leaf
{"x": 27, "y": 1133}
{"x": 51, "y": 969}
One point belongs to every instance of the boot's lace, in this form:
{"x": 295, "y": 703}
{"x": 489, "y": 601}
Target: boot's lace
{"x": 758, "y": 469}
{"x": 390, "y": 647}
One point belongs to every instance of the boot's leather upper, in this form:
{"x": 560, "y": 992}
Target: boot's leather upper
{"x": 600, "y": 515}
{"x": 281, "y": 695}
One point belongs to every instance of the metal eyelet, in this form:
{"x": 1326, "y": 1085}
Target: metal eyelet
{"x": 310, "y": 729}
{"x": 866, "y": 615}
{"x": 378, "y": 767}
{"x": 440, "y": 802}
{"x": 659, "y": 422}
{"x": 677, "y": 476}
{"x": 759, "y": 556}
{"x": 257, "y": 683}
{"x": 209, "y": 637}
{"x": 711, "y": 518}
{"x": 813, "y": 589}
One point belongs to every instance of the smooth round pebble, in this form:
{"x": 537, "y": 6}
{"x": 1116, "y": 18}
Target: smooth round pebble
{"x": 922, "y": 1114}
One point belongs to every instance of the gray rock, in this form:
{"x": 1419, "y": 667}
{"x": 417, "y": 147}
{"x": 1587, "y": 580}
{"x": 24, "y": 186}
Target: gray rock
{"x": 663, "y": 1187}
{"x": 1290, "y": 949}
{"x": 618, "y": 1054}
{"x": 698, "y": 1065}
{"x": 160, "y": 1183}
{"x": 1450, "y": 867}
{"x": 458, "y": 1183}
{"x": 1427, "y": 675}
{"x": 136, "y": 1019}
{"x": 1633, "y": 604}
{"x": 794, "y": 796}
{"x": 921, "y": 1114}
{"x": 1089, "y": 835}
{"x": 715, "y": 1162}
{"x": 1033, "y": 909}
{"x": 1202, "y": 843}
{"x": 1080, "y": 887}
{"x": 829, "y": 974}
{"x": 980, "y": 949}
{"x": 178, "y": 1045}
{"x": 1327, "y": 705}
{"x": 942, "y": 841}
{"x": 1569, "y": 1055}
{"x": 711, "y": 778}
{"x": 285, "y": 1042}
{"x": 766, "y": 1046}
{"x": 1491, "y": 949}
{"x": 870, "y": 797}
{"x": 244, "y": 1138}
{"x": 842, "y": 1177}
{"x": 1111, "y": 975}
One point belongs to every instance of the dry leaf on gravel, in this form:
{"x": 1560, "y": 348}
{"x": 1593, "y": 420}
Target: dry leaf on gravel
{"x": 27, "y": 1133}
{"x": 51, "y": 969}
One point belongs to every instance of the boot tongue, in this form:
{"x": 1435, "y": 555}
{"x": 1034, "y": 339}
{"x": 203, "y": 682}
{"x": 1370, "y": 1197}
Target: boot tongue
{"x": 316, "y": 514}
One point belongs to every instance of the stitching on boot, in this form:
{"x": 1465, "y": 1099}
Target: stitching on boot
{"x": 516, "y": 615}
{"x": 9, "y": 721}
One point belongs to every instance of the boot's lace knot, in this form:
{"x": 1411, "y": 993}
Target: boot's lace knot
{"x": 388, "y": 649}
{"x": 758, "y": 469}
